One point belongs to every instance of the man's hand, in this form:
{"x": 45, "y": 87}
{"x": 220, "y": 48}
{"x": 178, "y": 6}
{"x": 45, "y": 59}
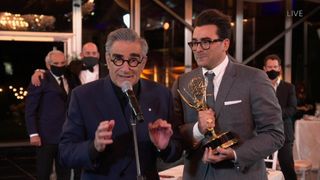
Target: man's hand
{"x": 216, "y": 155}
{"x": 35, "y": 78}
{"x": 160, "y": 132}
{"x": 103, "y": 135}
{"x": 206, "y": 120}
{"x": 35, "y": 140}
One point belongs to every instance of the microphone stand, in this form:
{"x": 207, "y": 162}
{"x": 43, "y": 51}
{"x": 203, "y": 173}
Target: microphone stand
{"x": 136, "y": 149}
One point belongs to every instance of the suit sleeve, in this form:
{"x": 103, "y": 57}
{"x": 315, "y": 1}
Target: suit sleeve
{"x": 74, "y": 149}
{"x": 75, "y": 67}
{"x": 174, "y": 150}
{"x": 266, "y": 114}
{"x": 33, "y": 102}
{"x": 290, "y": 109}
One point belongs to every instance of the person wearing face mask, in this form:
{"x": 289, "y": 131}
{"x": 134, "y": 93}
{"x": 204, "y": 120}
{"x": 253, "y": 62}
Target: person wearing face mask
{"x": 287, "y": 99}
{"x": 97, "y": 135}
{"x": 87, "y": 69}
{"x": 45, "y": 112}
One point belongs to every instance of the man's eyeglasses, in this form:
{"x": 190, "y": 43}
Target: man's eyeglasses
{"x": 205, "y": 44}
{"x": 132, "y": 61}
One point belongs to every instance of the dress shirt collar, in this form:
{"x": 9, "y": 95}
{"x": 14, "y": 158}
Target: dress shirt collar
{"x": 57, "y": 77}
{"x": 275, "y": 86}
{"x": 218, "y": 69}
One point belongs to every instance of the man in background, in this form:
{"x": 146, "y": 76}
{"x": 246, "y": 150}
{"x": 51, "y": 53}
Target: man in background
{"x": 287, "y": 98}
{"x": 87, "y": 69}
{"x": 45, "y": 113}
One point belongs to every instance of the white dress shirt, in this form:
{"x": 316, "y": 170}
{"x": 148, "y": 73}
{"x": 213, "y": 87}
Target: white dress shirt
{"x": 86, "y": 76}
{"x": 219, "y": 72}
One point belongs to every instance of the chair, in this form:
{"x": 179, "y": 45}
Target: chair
{"x": 302, "y": 167}
{"x": 273, "y": 159}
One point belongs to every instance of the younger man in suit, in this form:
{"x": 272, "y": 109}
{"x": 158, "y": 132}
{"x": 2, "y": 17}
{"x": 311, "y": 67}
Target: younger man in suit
{"x": 242, "y": 102}
{"x": 286, "y": 95}
{"x": 45, "y": 114}
{"x": 97, "y": 135}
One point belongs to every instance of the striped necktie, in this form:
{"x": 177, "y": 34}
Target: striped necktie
{"x": 210, "y": 90}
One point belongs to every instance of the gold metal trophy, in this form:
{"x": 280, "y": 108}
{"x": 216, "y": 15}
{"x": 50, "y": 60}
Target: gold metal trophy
{"x": 195, "y": 98}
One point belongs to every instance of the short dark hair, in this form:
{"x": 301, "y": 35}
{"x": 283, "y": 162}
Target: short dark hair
{"x": 215, "y": 17}
{"x": 273, "y": 57}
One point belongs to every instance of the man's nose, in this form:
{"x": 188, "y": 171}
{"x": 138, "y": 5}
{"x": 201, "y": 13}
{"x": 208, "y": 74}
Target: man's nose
{"x": 198, "y": 47}
{"x": 125, "y": 66}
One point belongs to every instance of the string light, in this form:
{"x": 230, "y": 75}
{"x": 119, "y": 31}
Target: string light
{"x": 19, "y": 94}
{"x": 26, "y": 22}
{"x": 36, "y": 22}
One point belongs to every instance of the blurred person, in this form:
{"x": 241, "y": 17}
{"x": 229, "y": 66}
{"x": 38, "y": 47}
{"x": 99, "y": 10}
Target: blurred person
{"x": 87, "y": 69}
{"x": 286, "y": 95}
{"x": 45, "y": 113}
{"x": 98, "y": 136}
{"x": 243, "y": 103}
{"x": 305, "y": 106}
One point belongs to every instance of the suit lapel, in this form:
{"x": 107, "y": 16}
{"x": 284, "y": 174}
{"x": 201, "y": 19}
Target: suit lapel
{"x": 56, "y": 85}
{"x": 109, "y": 106}
{"x": 279, "y": 89}
{"x": 225, "y": 86}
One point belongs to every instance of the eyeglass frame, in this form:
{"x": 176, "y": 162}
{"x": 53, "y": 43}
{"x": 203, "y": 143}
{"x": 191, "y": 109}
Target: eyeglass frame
{"x": 210, "y": 41}
{"x": 112, "y": 59}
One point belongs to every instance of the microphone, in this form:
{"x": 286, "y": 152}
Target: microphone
{"x": 127, "y": 89}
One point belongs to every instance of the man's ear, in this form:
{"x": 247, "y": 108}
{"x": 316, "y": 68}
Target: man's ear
{"x": 81, "y": 55}
{"x": 145, "y": 59}
{"x": 48, "y": 66}
{"x": 226, "y": 44}
{"x": 107, "y": 60}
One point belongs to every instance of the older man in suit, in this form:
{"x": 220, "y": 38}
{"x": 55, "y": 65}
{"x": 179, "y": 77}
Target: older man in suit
{"x": 88, "y": 68}
{"x": 286, "y": 95}
{"x": 45, "y": 114}
{"x": 98, "y": 133}
{"x": 241, "y": 101}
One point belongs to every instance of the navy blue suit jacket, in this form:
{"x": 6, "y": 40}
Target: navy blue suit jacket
{"x": 96, "y": 101}
{"x": 46, "y": 107}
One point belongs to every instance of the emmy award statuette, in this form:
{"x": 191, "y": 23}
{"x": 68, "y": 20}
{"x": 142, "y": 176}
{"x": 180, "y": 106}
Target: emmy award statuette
{"x": 195, "y": 98}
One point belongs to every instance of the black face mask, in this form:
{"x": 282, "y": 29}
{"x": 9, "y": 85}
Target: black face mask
{"x": 273, "y": 74}
{"x": 89, "y": 62}
{"x": 58, "y": 71}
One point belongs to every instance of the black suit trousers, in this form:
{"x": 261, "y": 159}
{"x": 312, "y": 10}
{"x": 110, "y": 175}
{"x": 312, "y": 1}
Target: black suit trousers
{"x": 286, "y": 161}
{"x": 46, "y": 155}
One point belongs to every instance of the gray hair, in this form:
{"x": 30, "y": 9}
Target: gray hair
{"x": 125, "y": 34}
{"x": 48, "y": 57}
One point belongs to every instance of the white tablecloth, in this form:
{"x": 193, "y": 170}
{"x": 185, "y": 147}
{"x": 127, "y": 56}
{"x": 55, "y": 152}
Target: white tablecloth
{"x": 175, "y": 173}
{"x": 307, "y": 142}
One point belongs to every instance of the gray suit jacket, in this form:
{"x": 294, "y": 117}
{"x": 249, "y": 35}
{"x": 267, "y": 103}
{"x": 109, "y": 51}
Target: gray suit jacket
{"x": 246, "y": 105}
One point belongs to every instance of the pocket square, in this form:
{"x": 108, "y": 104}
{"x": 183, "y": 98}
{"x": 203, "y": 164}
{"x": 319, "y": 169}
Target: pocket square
{"x": 227, "y": 103}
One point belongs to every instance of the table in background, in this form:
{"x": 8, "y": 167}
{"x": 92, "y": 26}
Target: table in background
{"x": 175, "y": 173}
{"x": 307, "y": 140}
{"x": 307, "y": 143}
